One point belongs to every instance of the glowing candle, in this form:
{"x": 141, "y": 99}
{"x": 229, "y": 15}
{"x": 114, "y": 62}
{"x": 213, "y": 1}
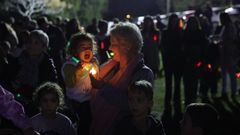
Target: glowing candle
{"x": 93, "y": 71}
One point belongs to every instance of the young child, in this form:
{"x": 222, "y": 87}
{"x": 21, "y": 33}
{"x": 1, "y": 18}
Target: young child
{"x": 49, "y": 97}
{"x": 140, "y": 99}
{"x": 199, "y": 119}
{"x": 75, "y": 71}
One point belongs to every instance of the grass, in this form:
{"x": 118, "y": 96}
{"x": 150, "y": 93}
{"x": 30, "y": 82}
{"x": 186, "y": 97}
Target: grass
{"x": 159, "y": 92}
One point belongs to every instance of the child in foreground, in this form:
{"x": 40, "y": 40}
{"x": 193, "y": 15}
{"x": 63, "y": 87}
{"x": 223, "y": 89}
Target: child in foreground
{"x": 199, "y": 119}
{"x": 49, "y": 97}
{"x": 140, "y": 122}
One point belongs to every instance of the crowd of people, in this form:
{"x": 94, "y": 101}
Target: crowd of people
{"x": 106, "y": 77}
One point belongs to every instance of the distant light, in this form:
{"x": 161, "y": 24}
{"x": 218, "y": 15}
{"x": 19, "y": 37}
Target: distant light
{"x": 128, "y": 16}
{"x": 229, "y": 10}
{"x": 102, "y": 45}
{"x": 238, "y": 75}
{"x": 18, "y": 95}
{"x": 184, "y": 17}
{"x": 155, "y": 38}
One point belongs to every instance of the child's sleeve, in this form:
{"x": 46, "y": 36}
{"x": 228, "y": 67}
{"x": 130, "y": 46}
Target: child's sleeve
{"x": 69, "y": 75}
{"x": 13, "y": 110}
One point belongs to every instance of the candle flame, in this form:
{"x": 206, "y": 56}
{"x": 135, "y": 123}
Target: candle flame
{"x": 93, "y": 71}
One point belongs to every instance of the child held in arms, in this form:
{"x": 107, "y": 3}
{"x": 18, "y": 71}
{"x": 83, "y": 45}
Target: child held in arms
{"x": 76, "y": 73}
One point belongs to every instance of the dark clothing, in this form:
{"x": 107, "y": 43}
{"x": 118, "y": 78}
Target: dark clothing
{"x": 172, "y": 55}
{"x": 194, "y": 45}
{"x": 26, "y": 74}
{"x": 126, "y": 127}
{"x": 151, "y": 42}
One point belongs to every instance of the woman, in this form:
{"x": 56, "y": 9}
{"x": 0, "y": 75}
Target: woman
{"x": 172, "y": 55}
{"x": 110, "y": 103}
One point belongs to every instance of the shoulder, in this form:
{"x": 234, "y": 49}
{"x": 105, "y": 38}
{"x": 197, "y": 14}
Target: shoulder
{"x": 63, "y": 118}
{"x": 156, "y": 126}
{"x": 36, "y": 118}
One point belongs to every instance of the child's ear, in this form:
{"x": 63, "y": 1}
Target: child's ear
{"x": 151, "y": 103}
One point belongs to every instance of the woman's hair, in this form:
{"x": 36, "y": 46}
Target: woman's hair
{"x": 225, "y": 18}
{"x": 49, "y": 88}
{"x": 76, "y": 39}
{"x": 193, "y": 24}
{"x": 173, "y": 22}
{"x": 40, "y": 36}
{"x": 130, "y": 33}
{"x": 203, "y": 115}
{"x": 143, "y": 86}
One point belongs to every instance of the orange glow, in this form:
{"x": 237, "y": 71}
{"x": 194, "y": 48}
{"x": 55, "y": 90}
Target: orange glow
{"x": 181, "y": 23}
{"x": 238, "y": 75}
{"x": 209, "y": 66}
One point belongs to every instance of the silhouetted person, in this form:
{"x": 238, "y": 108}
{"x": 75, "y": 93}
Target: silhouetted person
{"x": 103, "y": 41}
{"x": 228, "y": 54}
{"x": 194, "y": 42}
{"x": 172, "y": 55}
{"x": 151, "y": 42}
{"x": 93, "y": 27}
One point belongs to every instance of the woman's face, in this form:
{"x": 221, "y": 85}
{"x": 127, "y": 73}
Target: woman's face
{"x": 85, "y": 52}
{"x": 118, "y": 48}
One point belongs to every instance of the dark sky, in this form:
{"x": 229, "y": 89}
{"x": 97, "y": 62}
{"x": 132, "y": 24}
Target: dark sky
{"x": 119, "y": 8}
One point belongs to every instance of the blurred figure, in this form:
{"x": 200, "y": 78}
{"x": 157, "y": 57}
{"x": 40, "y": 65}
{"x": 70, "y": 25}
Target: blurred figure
{"x": 72, "y": 27}
{"x": 48, "y": 96}
{"x": 199, "y": 119}
{"x": 103, "y": 41}
{"x": 32, "y": 68}
{"x": 194, "y": 44}
{"x": 57, "y": 45}
{"x": 151, "y": 42}
{"x": 140, "y": 121}
{"x": 127, "y": 66}
{"x": 14, "y": 111}
{"x": 93, "y": 27}
{"x": 172, "y": 55}
{"x": 229, "y": 54}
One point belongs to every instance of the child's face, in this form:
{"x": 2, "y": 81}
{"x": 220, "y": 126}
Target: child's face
{"x": 85, "y": 52}
{"x": 49, "y": 104}
{"x": 35, "y": 47}
{"x": 139, "y": 104}
{"x": 186, "y": 125}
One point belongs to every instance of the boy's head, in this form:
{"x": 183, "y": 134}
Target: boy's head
{"x": 38, "y": 42}
{"x": 140, "y": 98}
{"x": 82, "y": 46}
{"x": 199, "y": 117}
{"x": 49, "y": 97}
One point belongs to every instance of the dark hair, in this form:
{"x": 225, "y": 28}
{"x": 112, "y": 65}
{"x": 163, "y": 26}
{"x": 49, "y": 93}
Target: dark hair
{"x": 173, "y": 22}
{"x": 144, "y": 86}
{"x": 76, "y": 39}
{"x": 225, "y": 18}
{"x": 47, "y": 88}
{"x": 203, "y": 115}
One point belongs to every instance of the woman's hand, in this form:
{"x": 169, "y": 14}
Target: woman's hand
{"x": 96, "y": 83}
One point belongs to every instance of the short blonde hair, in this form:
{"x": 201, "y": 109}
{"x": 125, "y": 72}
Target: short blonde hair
{"x": 130, "y": 33}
